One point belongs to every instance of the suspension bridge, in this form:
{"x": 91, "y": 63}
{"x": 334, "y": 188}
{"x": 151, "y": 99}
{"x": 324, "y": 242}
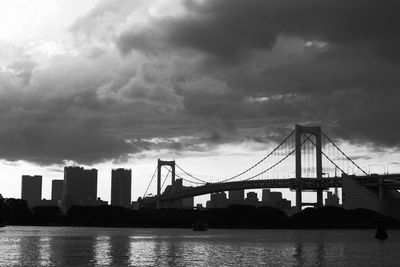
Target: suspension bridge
{"x": 306, "y": 160}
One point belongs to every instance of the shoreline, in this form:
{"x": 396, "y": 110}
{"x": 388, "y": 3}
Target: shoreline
{"x": 365, "y": 227}
{"x": 233, "y": 217}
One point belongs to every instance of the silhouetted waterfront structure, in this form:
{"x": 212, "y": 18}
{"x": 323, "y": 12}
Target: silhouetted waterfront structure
{"x": 217, "y": 200}
{"x": 236, "y": 197}
{"x": 121, "y": 184}
{"x": 199, "y": 206}
{"x": 200, "y": 225}
{"x": 31, "y": 189}
{"x": 275, "y": 199}
{"x": 332, "y": 199}
{"x": 57, "y": 189}
{"x": 100, "y": 202}
{"x": 48, "y": 203}
{"x": 375, "y": 192}
{"x": 251, "y": 199}
{"x": 185, "y": 203}
{"x": 80, "y": 187}
{"x": 381, "y": 231}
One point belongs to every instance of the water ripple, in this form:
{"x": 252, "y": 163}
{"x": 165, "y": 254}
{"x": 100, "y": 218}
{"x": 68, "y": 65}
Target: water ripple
{"x": 75, "y": 246}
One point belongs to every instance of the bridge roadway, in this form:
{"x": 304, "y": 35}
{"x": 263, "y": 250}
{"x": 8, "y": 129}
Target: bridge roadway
{"x": 388, "y": 181}
{"x": 292, "y": 183}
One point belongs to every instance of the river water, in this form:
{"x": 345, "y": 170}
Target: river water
{"x": 81, "y": 246}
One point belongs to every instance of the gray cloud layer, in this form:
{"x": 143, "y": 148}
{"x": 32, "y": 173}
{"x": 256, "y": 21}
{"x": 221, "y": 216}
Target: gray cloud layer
{"x": 222, "y": 71}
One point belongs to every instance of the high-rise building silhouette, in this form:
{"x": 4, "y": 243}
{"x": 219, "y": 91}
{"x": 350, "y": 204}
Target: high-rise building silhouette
{"x": 332, "y": 199}
{"x": 275, "y": 199}
{"x": 251, "y": 199}
{"x": 236, "y": 197}
{"x": 121, "y": 184}
{"x": 80, "y": 187}
{"x": 266, "y": 193}
{"x": 184, "y": 203}
{"x": 31, "y": 189}
{"x": 217, "y": 200}
{"x": 57, "y": 189}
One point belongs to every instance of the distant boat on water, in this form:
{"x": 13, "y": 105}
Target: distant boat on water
{"x": 200, "y": 226}
{"x": 2, "y": 224}
{"x": 381, "y": 231}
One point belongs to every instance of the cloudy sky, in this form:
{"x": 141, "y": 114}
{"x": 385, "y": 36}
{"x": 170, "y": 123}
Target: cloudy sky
{"x": 119, "y": 83}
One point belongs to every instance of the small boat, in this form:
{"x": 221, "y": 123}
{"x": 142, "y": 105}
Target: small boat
{"x": 200, "y": 226}
{"x": 381, "y": 231}
{"x": 2, "y": 224}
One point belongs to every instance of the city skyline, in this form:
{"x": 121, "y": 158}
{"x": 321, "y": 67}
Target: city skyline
{"x": 307, "y": 160}
{"x": 73, "y": 190}
{"x": 105, "y": 174}
{"x": 105, "y": 180}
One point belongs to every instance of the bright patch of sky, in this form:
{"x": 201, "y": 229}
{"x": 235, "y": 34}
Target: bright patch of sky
{"x": 40, "y": 28}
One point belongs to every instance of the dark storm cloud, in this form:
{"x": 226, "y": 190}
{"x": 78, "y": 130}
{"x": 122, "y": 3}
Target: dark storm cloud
{"x": 350, "y": 63}
{"x": 46, "y": 132}
{"x": 228, "y": 29}
{"x": 219, "y": 72}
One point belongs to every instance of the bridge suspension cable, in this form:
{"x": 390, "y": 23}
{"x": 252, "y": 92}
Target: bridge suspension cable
{"x": 277, "y": 163}
{"x": 186, "y": 180}
{"x": 349, "y": 159}
{"x": 154, "y": 174}
{"x": 259, "y": 162}
{"x": 166, "y": 176}
{"x": 322, "y": 152}
{"x": 198, "y": 179}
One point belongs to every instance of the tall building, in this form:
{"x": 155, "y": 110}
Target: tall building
{"x": 31, "y": 189}
{"x": 90, "y": 188}
{"x": 121, "y": 184}
{"x": 80, "y": 187}
{"x": 252, "y": 199}
{"x": 236, "y": 197}
{"x": 217, "y": 200}
{"x": 57, "y": 189}
{"x": 332, "y": 199}
{"x": 185, "y": 203}
{"x": 275, "y": 199}
{"x": 266, "y": 195}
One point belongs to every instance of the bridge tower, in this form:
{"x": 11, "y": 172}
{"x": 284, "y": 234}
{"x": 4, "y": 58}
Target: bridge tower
{"x": 299, "y": 132}
{"x": 161, "y": 163}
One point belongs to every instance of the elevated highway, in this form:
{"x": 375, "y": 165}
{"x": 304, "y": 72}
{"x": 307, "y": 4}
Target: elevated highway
{"x": 304, "y": 184}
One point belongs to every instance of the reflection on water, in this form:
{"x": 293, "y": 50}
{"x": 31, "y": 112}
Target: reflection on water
{"x": 44, "y": 248}
{"x": 69, "y": 246}
{"x": 102, "y": 250}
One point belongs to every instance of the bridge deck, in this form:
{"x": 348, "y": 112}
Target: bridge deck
{"x": 304, "y": 184}
{"x": 388, "y": 181}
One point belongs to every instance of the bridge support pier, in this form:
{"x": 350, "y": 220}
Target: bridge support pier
{"x": 319, "y": 198}
{"x": 299, "y": 202}
{"x": 316, "y": 132}
{"x": 161, "y": 163}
